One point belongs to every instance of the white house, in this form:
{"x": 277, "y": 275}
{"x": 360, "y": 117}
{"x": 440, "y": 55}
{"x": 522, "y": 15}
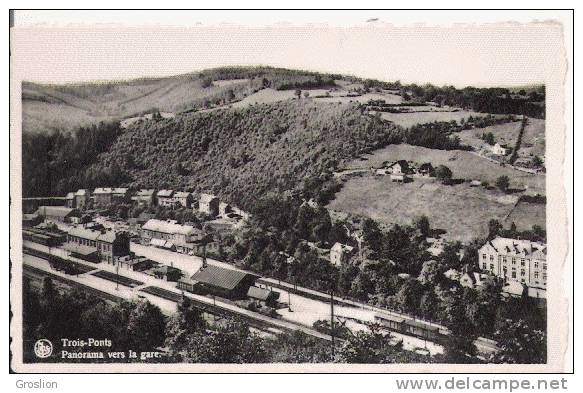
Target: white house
{"x": 339, "y": 253}
{"x": 498, "y": 150}
{"x": 208, "y": 204}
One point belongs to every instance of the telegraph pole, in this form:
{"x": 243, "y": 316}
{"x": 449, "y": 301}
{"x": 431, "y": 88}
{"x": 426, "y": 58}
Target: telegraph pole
{"x": 116, "y": 274}
{"x": 332, "y": 320}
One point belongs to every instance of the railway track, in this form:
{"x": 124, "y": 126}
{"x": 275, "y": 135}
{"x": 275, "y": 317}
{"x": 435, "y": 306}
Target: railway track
{"x": 256, "y": 320}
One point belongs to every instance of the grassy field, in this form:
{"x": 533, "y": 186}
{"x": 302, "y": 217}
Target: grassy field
{"x": 410, "y": 119}
{"x": 364, "y": 98}
{"x": 533, "y": 139}
{"x": 464, "y": 165}
{"x": 462, "y": 211}
{"x": 524, "y": 215}
{"x": 504, "y": 134}
{"x": 70, "y": 106}
{"x": 265, "y": 96}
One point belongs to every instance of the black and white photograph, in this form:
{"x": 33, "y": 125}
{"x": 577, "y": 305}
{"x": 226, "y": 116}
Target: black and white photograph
{"x": 376, "y": 196}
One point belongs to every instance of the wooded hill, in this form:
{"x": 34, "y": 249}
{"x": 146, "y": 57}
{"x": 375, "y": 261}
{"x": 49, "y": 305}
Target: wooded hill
{"x": 242, "y": 154}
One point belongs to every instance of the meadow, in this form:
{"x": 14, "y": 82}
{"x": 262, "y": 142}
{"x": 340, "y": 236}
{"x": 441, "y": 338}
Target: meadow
{"x": 463, "y": 164}
{"x": 410, "y": 119}
{"x": 462, "y": 211}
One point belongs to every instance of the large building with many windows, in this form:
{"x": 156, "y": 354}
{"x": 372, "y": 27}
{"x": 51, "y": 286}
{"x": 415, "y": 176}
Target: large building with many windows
{"x": 518, "y": 260}
{"x": 93, "y": 245}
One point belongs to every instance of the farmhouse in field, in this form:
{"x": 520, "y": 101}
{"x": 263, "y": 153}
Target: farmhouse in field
{"x": 498, "y": 150}
{"x": 398, "y": 177}
{"x": 399, "y": 167}
{"x": 518, "y": 260}
{"x": 208, "y": 204}
{"x": 339, "y": 253}
{"x": 425, "y": 169}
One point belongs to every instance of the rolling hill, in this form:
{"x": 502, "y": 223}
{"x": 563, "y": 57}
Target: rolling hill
{"x": 68, "y": 107}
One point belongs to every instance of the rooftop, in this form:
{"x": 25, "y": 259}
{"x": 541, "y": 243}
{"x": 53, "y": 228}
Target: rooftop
{"x": 59, "y": 211}
{"x": 258, "y": 293}
{"x": 220, "y": 277}
{"x": 182, "y": 194}
{"x": 103, "y": 190}
{"x": 91, "y": 234}
{"x": 146, "y": 192}
{"x": 518, "y": 247}
{"x": 169, "y": 226}
{"x": 165, "y": 193}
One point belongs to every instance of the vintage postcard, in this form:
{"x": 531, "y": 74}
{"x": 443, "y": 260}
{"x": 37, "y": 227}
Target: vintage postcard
{"x": 298, "y": 196}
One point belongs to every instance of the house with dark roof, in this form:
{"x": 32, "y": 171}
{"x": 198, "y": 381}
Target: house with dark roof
{"x": 425, "y": 169}
{"x": 263, "y": 296}
{"x": 227, "y": 283}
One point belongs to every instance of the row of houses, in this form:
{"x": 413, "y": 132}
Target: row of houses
{"x": 104, "y": 196}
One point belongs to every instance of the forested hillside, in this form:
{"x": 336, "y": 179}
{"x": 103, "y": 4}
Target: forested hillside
{"x": 242, "y": 154}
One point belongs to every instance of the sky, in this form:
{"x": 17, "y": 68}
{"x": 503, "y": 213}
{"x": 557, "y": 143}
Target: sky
{"x": 65, "y": 47}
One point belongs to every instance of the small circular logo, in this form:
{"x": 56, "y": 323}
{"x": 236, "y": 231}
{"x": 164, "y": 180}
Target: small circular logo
{"x": 43, "y": 348}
